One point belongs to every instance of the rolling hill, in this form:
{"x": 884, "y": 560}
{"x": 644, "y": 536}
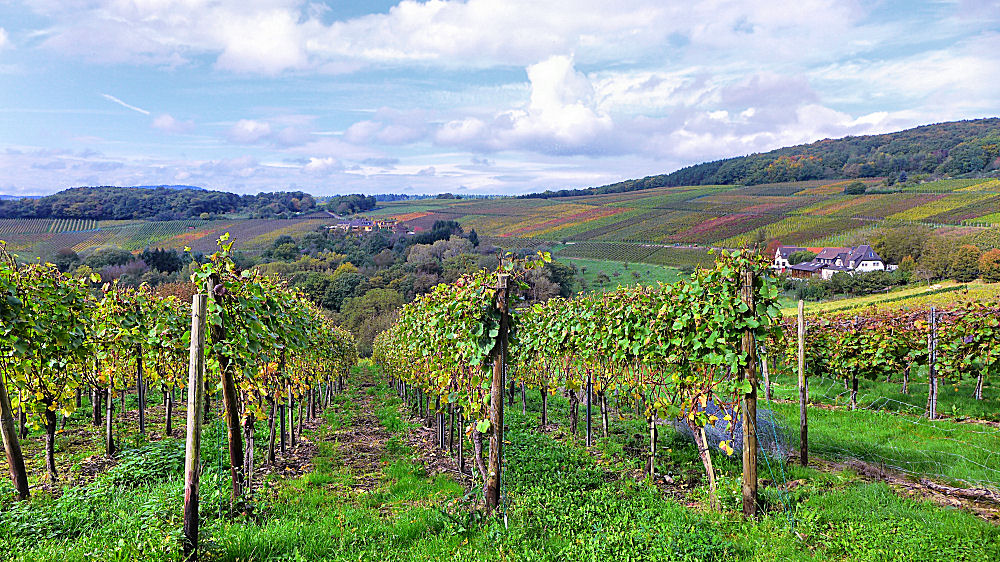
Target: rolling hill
{"x": 946, "y": 149}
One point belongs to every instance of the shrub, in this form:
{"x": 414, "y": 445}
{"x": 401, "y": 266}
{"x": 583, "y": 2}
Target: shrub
{"x": 855, "y": 188}
{"x": 989, "y": 265}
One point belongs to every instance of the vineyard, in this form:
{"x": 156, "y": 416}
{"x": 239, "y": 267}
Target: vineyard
{"x": 43, "y": 238}
{"x": 580, "y": 428}
{"x": 673, "y": 349}
{"x": 810, "y": 213}
{"x": 688, "y": 351}
{"x": 948, "y": 294}
{"x": 65, "y": 339}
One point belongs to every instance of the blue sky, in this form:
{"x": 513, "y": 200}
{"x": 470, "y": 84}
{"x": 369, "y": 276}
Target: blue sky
{"x": 482, "y": 96}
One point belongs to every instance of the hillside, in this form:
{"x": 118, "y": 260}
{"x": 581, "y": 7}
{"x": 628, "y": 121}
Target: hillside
{"x": 945, "y": 149}
{"x": 676, "y": 225}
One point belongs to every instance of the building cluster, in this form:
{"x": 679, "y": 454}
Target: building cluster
{"x": 828, "y": 261}
{"x": 360, "y": 225}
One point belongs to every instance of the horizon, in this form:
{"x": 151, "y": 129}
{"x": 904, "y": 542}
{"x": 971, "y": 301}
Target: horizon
{"x": 424, "y": 98}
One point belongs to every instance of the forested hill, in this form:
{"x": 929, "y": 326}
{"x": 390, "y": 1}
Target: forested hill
{"x": 158, "y": 203}
{"x": 943, "y": 149}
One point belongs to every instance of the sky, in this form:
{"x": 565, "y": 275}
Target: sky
{"x": 473, "y": 97}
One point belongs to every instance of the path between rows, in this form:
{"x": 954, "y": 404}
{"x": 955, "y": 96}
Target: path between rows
{"x": 362, "y": 446}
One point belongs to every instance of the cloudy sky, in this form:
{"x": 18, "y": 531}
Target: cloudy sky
{"x": 481, "y": 96}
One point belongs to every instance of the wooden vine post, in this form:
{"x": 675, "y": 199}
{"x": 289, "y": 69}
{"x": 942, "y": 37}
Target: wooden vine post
{"x": 229, "y": 397}
{"x": 196, "y": 389}
{"x": 749, "y": 404}
{"x": 496, "y": 399}
{"x": 932, "y": 390}
{"x": 140, "y": 389}
{"x": 590, "y": 394}
{"x": 15, "y": 460}
{"x": 803, "y": 390}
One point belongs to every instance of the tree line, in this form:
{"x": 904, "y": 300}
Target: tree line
{"x": 159, "y": 203}
{"x": 946, "y": 149}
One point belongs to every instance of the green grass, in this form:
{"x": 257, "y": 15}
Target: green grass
{"x": 637, "y": 253}
{"x": 621, "y": 273}
{"x": 564, "y": 504}
{"x": 836, "y": 514}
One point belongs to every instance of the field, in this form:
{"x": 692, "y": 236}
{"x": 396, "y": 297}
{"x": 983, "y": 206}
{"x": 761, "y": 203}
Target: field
{"x": 636, "y": 226}
{"x": 945, "y": 293}
{"x": 641, "y": 253}
{"x": 628, "y": 226}
{"x": 604, "y": 274}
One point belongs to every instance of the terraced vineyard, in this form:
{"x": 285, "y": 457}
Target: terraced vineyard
{"x": 944, "y": 294}
{"x": 24, "y": 226}
{"x": 644, "y": 225}
{"x": 42, "y": 238}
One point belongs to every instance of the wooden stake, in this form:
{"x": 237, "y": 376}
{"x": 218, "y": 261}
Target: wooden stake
{"x": 230, "y": 401}
{"x": 545, "y": 404}
{"x": 196, "y": 374}
{"x": 590, "y": 394}
{"x": 461, "y": 443}
{"x": 764, "y": 372}
{"x": 803, "y": 390}
{"x": 932, "y": 366}
{"x": 109, "y": 420}
{"x": 291, "y": 419}
{"x": 492, "y": 487}
{"x": 651, "y": 465}
{"x": 140, "y": 390}
{"x": 11, "y": 445}
{"x": 749, "y": 408}
{"x": 602, "y": 401}
{"x": 168, "y": 399}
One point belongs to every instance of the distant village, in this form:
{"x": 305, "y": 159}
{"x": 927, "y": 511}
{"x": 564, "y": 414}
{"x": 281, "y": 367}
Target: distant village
{"x": 825, "y": 262}
{"x": 361, "y": 225}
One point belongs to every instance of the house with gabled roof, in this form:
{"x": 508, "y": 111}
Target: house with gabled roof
{"x": 829, "y": 261}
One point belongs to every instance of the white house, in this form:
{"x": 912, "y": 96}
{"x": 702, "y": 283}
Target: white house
{"x": 830, "y": 261}
{"x": 782, "y": 254}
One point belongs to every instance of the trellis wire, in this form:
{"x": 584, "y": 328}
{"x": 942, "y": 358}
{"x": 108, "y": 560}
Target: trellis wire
{"x": 916, "y": 415}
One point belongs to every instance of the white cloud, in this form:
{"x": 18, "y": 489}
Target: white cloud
{"x": 248, "y": 131}
{"x": 322, "y": 166}
{"x": 654, "y": 84}
{"x": 166, "y": 123}
{"x": 389, "y": 127}
{"x": 266, "y": 41}
{"x": 702, "y": 118}
{"x": 269, "y": 36}
{"x": 282, "y": 131}
{"x": 561, "y": 116}
{"x": 949, "y": 83}
{"x": 113, "y": 99}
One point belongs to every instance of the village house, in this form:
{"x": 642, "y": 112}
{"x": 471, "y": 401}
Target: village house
{"x": 829, "y": 261}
